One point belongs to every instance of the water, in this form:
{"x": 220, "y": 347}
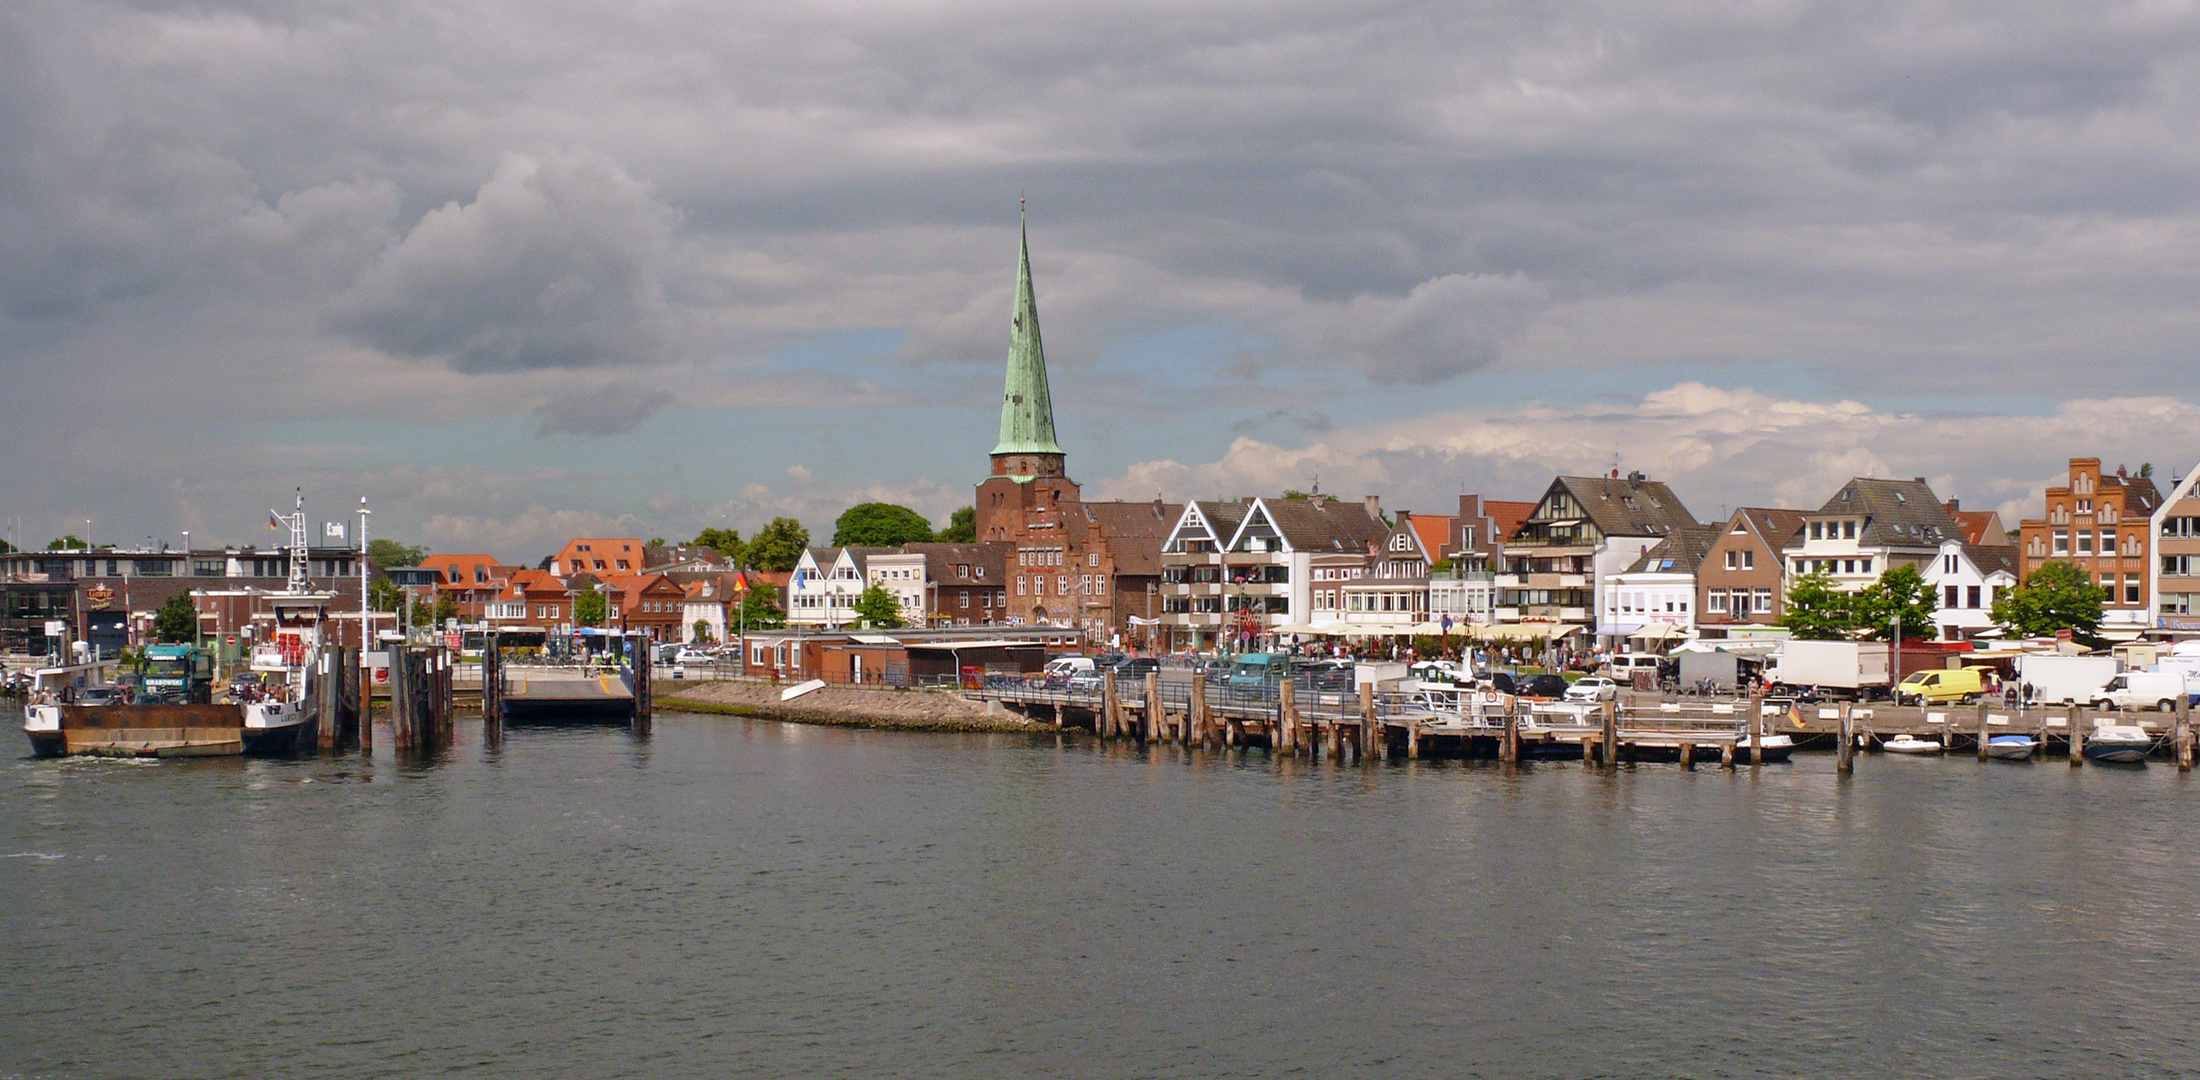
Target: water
{"x": 736, "y": 898}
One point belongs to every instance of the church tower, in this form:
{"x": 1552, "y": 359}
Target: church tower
{"x": 1027, "y": 448}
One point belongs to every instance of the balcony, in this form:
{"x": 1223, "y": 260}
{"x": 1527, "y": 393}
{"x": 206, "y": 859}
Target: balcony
{"x": 1557, "y": 581}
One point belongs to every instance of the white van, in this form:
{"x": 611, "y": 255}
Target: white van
{"x": 1062, "y": 667}
{"x": 2142, "y": 690}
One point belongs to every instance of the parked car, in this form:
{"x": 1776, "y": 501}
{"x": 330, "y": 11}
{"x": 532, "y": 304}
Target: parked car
{"x": 1545, "y": 686}
{"x": 1136, "y": 667}
{"x": 692, "y": 655}
{"x": 1592, "y": 688}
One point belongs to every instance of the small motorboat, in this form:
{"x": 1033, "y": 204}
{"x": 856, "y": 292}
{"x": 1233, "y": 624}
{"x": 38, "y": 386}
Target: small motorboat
{"x": 2123, "y": 743}
{"x": 1777, "y": 748}
{"x": 1906, "y": 743}
{"x": 2012, "y": 747}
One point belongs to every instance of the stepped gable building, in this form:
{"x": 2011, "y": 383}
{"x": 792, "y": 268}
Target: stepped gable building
{"x": 2103, "y": 525}
{"x": 1091, "y": 565}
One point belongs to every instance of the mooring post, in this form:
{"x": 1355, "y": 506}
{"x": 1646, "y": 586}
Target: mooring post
{"x": 1413, "y": 739}
{"x": 1983, "y": 733}
{"x": 1726, "y": 755}
{"x": 1756, "y": 730}
{"x": 2077, "y": 734}
{"x": 366, "y": 696}
{"x": 1372, "y": 737}
{"x": 1195, "y": 721}
{"x": 1508, "y": 740}
{"x": 1153, "y": 706}
{"x": 1609, "y": 745}
{"x": 2181, "y": 744}
{"x": 1688, "y": 757}
{"x": 1110, "y": 722}
{"x": 1287, "y": 716}
{"x": 1844, "y": 755}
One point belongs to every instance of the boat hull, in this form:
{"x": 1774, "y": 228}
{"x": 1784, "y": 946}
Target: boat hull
{"x": 2012, "y": 751}
{"x": 1911, "y": 746}
{"x": 2118, "y": 753}
{"x": 158, "y": 731}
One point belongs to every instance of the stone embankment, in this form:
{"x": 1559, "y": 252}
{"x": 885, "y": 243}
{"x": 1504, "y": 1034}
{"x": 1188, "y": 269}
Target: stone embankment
{"x": 845, "y": 706}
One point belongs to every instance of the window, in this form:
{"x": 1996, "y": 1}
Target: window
{"x": 2085, "y": 542}
{"x": 2062, "y": 542}
{"x": 2108, "y": 541}
{"x": 1949, "y": 597}
{"x": 1749, "y": 560}
{"x": 1970, "y": 596}
{"x": 2108, "y": 582}
{"x": 1798, "y": 567}
{"x": 1019, "y": 585}
{"x": 1093, "y": 559}
{"x": 1733, "y": 560}
{"x": 1817, "y": 531}
{"x": 1764, "y": 601}
{"x": 1848, "y": 530}
{"x": 1948, "y": 566}
{"x": 1848, "y": 566}
{"x": 1867, "y": 566}
{"x": 2085, "y": 506}
{"x": 1715, "y": 603}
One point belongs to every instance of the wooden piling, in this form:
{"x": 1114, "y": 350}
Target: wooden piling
{"x": 1196, "y": 720}
{"x": 1688, "y": 757}
{"x": 1287, "y": 716}
{"x": 1508, "y": 742}
{"x": 2181, "y": 740}
{"x": 1984, "y": 735}
{"x": 1726, "y": 755}
{"x": 2077, "y": 734}
{"x": 492, "y": 692}
{"x": 1756, "y": 730}
{"x": 1844, "y": 755}
{"x": 1372, "y": 740}
{"x": 1413, "y": 739}
{"x": 1609, "y": 743}
{"x": 1153, "y": 706}
{"x": 1110, "y": 722}
{"x": 645, "y": 691}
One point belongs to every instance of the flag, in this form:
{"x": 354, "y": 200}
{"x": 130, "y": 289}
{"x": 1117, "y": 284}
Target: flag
{"x": 334, "y": 530}
{"x": 274, "y": 520}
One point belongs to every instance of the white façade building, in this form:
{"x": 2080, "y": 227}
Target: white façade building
{"x": 1966, "y": 579}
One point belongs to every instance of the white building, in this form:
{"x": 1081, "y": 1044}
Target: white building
{"x": 902, "y": 574}
{"x": 1966, "y": 580}
{"x": 825, "y": 585}
{"x": 1654, "y": 599}
{"x": 1228, "y": 566}
{"x": 1559, "y": 565}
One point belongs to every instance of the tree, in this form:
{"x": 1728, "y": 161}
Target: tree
{"x": 778, "y": 545}
{"x": 877, "y": 524}
{"x": 385, "y": 554}
{"x": 6, "y": 548}
{"x": 2058, "y": 596}
{"x": 760, "y": 609}
{"x": 702, "y": 629}
{"x": 962, "y": 527}
{"x": 1900, "y": 590}
{"x": 446, "y": 608}
{"x": 588, "y": 608}
{"x": 1816, "y": 611}
{"x": 66, "y": 543}
{"x": 654, "y": 541}
{"x": 726, "y": 542}
{"x": 384, "y": 595}
{"x": 879, "y": 608}
{"x": 176, "y": 621}
{"x": 423, "y": 613}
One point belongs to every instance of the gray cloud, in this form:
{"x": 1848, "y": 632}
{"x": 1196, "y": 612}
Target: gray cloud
{"x": 558, "y": 262}
{"x": 610, "y": 410}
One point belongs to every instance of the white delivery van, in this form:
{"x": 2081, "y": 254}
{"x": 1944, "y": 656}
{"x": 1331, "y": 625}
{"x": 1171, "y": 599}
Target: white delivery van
{"x": 2142, "y": 690}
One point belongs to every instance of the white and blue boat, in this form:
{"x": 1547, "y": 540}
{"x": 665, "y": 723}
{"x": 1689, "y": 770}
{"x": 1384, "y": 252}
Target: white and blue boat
{"x": 2012, "y": 747}
{"x": 2122, "y": 743}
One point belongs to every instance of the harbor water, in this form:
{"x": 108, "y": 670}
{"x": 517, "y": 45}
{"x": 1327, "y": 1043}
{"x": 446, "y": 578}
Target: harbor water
{"x": 746, "y": 898}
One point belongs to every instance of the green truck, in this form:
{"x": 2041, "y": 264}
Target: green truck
{"x": 183, "y": 674}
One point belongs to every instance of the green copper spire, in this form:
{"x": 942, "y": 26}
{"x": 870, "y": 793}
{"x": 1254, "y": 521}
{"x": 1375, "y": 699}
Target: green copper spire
{"x": 1027, "y": 412}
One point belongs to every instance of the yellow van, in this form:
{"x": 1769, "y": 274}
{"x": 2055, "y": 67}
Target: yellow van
{"x": 1940, "y": 686}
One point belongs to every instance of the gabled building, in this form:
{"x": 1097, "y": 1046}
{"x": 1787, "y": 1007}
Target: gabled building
{"x": 1966, "y": 579}
{"x": 2174, "y": 572}
{"x": 473, "y": 582}
{"x": 545, "y": 600}
{"x": 1584, "y": 530}
{"x": 597, "y": 555}
{"x": 1868, "y": 527}
{"x": 1654, "y": 600}
{"x": 1260, "y": 575}
{"x": 825, "y": 585}
{"x": 1742, "y": 582}
{"x": 2103, "y": 525}
{"x": 651, "y": 603}
{"x": 965, "y": 584}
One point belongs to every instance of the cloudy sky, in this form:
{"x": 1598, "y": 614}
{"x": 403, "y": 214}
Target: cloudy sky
{"x": 520, "y": 271}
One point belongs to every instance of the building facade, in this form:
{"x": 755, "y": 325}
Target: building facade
{"x": 1742, "y": 581}
{"x": 2174, "y": 575}
{"x": 2103, "y": 525}
{"x": 1582, "y": 532}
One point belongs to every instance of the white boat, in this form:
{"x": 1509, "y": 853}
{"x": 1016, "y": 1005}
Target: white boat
{"x": 2012, "y": 747}
{"x": 1911, "y": 744}
{"x": 1777, "y": 748}
{"x": 2122, "y": 743}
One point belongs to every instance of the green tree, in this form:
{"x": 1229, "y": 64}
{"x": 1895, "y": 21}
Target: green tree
{"x": 654, "y": 541}
{"x": 2058, "y": 596}
{"x": 385, "y": 554}
{"x": 878, "y": 608}
{"x": 176, "y": 621}
{"x": 1900, "y": 590}
{"x": 6, "y": 548}
{"x": 778, "y": 545}
{"x": 962, "y": 527}
{"x": 702, "y": 629}
{"x": 588, "y": 608}
{"x": 877, "y": 524}
{"x": 726, "y": 542}
{"x": 66, "y": 543}
{"x": 384, "y": 595}
{"x": 1815, "y": 610}
{"x": 423, "y": 613}
{"x": 446, "y": 608}
{"x": 759, "y": 609}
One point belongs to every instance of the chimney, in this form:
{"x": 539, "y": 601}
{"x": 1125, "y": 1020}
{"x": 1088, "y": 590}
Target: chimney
{"x": 1919, "y": 479}
{"x": 1955, "y": 505}
{"x": 1374, "y": 504}
{"x": 1635, "y": 479}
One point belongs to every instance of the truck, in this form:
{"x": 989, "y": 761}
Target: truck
{"x": 1722, "y": 670}
{"x": 1849, "y": 669}
{"x": 183, "y": 674}
{"x": 2063, "y": 680}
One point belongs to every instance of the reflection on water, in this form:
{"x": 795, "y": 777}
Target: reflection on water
{"x": 746, "y": 898}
